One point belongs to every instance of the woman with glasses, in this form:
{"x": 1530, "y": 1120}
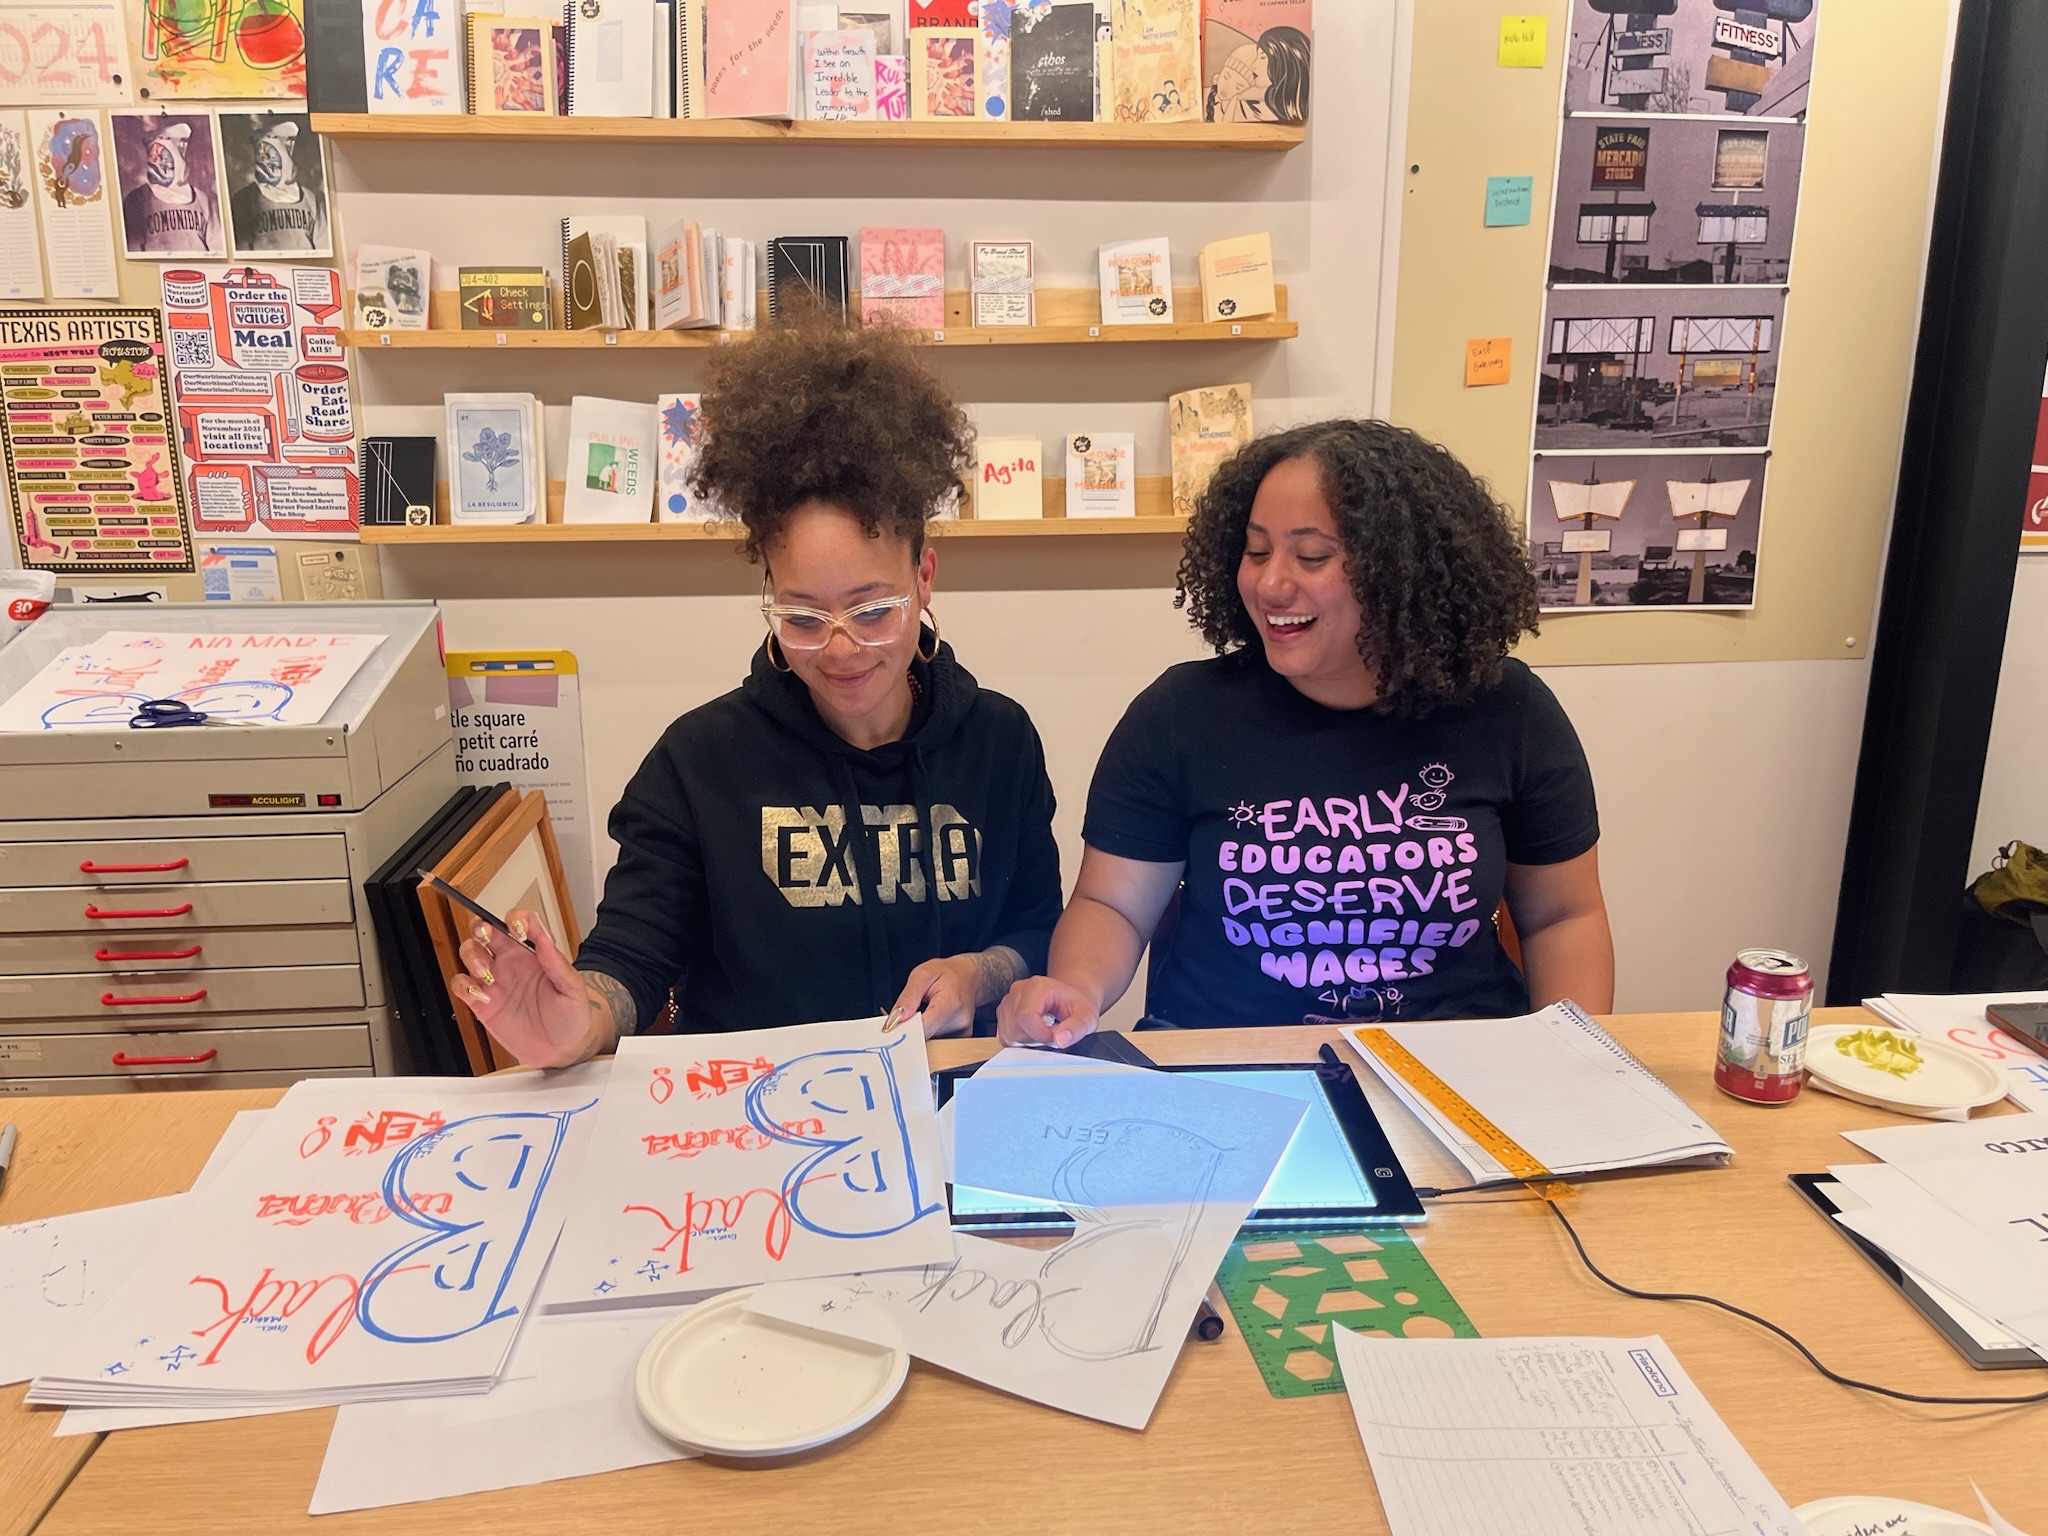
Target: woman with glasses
{"x": 857, "y": 828}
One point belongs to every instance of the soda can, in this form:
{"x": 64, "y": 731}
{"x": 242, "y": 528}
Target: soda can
{"x": 1764, "y": 1014}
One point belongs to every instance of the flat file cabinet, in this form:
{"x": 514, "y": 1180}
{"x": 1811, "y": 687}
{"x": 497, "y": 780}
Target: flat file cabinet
{"x": 183, "y": 908}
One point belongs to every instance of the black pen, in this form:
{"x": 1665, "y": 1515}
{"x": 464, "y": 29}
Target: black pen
{"x": 1208, "y": 1323}
{"x": 428, "y": 877}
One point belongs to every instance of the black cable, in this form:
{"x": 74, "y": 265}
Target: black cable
{"x": 1763, "y": 1322}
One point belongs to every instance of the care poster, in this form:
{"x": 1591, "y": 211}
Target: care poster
{"x": 92, "y": 466}
{"x": 262, "y": 390}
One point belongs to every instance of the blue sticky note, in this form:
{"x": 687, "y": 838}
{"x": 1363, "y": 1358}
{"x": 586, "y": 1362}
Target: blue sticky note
{"x": 1509, "y": 200}
{"x": 1106, "y": 1139}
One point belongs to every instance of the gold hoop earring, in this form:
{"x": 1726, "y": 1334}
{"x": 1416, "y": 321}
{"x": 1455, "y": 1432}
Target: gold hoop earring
{"x": 934, "y": 656}
{"x": 775, "y": 657}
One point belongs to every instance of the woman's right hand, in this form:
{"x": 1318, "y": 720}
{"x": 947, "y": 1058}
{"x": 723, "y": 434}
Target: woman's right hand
{"x": 1043, "y": 1010}
{"x": 534, "y": 1002}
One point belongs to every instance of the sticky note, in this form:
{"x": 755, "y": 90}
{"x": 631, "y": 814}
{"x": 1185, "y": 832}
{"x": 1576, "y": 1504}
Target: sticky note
{"x": 1509, "y": 200}
{"x": 1524, "y": 41}
{"x": 1488, "y": 360}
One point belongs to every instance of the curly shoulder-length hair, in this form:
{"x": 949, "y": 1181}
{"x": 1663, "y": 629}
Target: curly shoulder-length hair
{"x": 814, "y": 410}
{"x": 1440, "y": 574}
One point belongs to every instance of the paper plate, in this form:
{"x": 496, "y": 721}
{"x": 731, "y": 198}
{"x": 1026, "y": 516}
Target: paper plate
{"x": 724, "y": 1382}
{"x": 1924, "y": 1074}
{"x": 1895, "y": 1517}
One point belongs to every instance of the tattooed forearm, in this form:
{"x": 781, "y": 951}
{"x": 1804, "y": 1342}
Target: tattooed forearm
{"x": 613, "y": 1014}
{"x": 1000, "y": 968}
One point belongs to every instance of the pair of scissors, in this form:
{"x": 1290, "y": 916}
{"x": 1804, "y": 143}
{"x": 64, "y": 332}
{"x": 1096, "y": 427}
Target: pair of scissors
{"x": 157, "y": 714}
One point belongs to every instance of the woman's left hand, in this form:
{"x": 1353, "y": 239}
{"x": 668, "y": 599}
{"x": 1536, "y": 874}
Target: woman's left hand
{"x": 945, "y": 991}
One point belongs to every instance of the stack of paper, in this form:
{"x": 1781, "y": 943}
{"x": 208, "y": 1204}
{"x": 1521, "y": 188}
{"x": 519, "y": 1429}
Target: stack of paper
{"x": 1964, "y": 1208}
{"x": 1557, "y": 1084}
{"x": 727, "y": 1160}
{"x": 1601, "y": 1437}
{"x": 374, "y": 1239}
{"x": 1959, "y": 1019}
{"x": 1159, "y": 1171}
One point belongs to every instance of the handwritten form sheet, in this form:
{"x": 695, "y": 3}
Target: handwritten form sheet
{"x": 375, "y": 1238}
{"x": 1527, "y": 1437}
{"x": 565, "y": 1408}
{"x": 727, "y": 1160}
{"x": 1094, "y": 1326}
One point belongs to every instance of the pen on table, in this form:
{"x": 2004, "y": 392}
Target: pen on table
{"x": 1208, "y": 1323}
{"x": 9, "y": 1135}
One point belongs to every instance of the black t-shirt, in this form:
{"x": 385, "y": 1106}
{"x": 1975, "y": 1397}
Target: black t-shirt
{"x": 1342, "y": 865}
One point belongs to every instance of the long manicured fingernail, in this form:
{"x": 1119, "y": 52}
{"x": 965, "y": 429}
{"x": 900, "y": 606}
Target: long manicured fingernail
{"x": 519, "y": 929}
{"x": 485, "y": 977}
{"x": 479, "y": 995}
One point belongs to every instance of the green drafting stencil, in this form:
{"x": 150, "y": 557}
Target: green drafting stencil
{"x": 1286, "y": 1289}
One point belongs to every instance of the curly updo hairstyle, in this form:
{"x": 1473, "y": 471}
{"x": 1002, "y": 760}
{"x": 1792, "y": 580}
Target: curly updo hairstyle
{"x": 1438, "y": 569}
{"x": 816, "y": 410}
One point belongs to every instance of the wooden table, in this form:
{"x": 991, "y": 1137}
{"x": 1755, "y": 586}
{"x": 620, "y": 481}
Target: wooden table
{"x": 1220, "y": 1453}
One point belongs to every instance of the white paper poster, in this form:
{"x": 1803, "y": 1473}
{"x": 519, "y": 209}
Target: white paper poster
{"x": 412, "y": 55}
{"x": 73, "y": 172}
{"x": 517, "y": 717}
{"x": 21, "y": 257}
{"x": 376, "y": 1238}
{"x": 262, "y": 386}
{"x": 724, "y": 1160}
{"x": 58, "y": 55}
{"x": 268, "y": 679}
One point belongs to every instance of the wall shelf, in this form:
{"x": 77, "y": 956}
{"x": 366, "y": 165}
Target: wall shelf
{"x": 553, "y": 534}
{"x": 1068, "y": 316}
{"x": 1153, "y": 495}
{"x": 412, "y": 127}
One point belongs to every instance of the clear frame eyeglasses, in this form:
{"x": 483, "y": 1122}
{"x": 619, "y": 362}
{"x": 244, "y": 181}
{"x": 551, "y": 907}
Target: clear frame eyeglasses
{"x": 880, "y": 622}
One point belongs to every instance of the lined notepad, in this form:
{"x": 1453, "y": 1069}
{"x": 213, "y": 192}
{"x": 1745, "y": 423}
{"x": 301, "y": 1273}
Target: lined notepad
{"x": 1529, "y": 1437}
{"x": 1557, "y": 1084}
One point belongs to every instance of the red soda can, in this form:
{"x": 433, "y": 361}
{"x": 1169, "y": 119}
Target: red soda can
{"x": 1763, "y": 1027}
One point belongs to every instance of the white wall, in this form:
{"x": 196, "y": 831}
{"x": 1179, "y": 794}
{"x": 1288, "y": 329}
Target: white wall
{"x": 1722, "y": 829}
{"x": 2014, "y": 800}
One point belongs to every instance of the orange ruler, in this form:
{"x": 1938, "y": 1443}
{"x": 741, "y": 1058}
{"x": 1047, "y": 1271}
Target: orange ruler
{"x": 1446, "y": 1101}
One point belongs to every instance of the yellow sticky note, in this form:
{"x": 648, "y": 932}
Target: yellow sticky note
{"x": 1489, "y": 360}
{"x": 1524, "y": 41}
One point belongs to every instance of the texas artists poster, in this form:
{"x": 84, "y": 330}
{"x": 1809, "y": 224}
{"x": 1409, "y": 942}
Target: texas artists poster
{"x": 261, "y": 382}
{"x": 92, "y": 465}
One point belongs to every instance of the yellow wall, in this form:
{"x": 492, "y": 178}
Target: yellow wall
{"x": 1850, "y": 323}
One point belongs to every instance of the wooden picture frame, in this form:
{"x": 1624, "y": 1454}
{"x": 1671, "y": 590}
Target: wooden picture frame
{"x": 508, "y": 861}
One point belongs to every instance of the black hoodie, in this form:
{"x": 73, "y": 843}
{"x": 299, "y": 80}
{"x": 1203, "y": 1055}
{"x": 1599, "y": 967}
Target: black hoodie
{"x": 739, "y": 883}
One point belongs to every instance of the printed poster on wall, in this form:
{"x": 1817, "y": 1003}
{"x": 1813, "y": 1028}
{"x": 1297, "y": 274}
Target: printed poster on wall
{"x": 1743, "y": 58}
{"x": 212, "y": 50}
{"x": 68, "y": 54}
{"x": 517, "y": 717}
{"x": 92, "y": 465}
{"x": 261, "y": 384}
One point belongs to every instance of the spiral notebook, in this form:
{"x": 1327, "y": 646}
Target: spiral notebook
{"x": 1555, "y": 1083}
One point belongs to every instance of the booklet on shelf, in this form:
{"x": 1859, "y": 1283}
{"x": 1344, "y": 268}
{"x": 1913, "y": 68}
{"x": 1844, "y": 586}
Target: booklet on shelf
{"x": 1137, "y": 283}
{"x": 1100, "y": 477}
{"x": 612, "y": 456}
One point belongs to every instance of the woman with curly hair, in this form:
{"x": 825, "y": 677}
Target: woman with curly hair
{"x": 1340, "y": 798}
{"x": 858, "y": 827}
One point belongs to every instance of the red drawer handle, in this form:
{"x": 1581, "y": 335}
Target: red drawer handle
{"x": 93, "y": 911}
{"x": 90, "y": 868}
{"x": 123, "y": 1059}
{"x": 108, "y": 1000}
{"x": 149, "y": 954}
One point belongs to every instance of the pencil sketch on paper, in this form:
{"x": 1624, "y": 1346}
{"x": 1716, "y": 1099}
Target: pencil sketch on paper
{"x": 1093, "y": 1326}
